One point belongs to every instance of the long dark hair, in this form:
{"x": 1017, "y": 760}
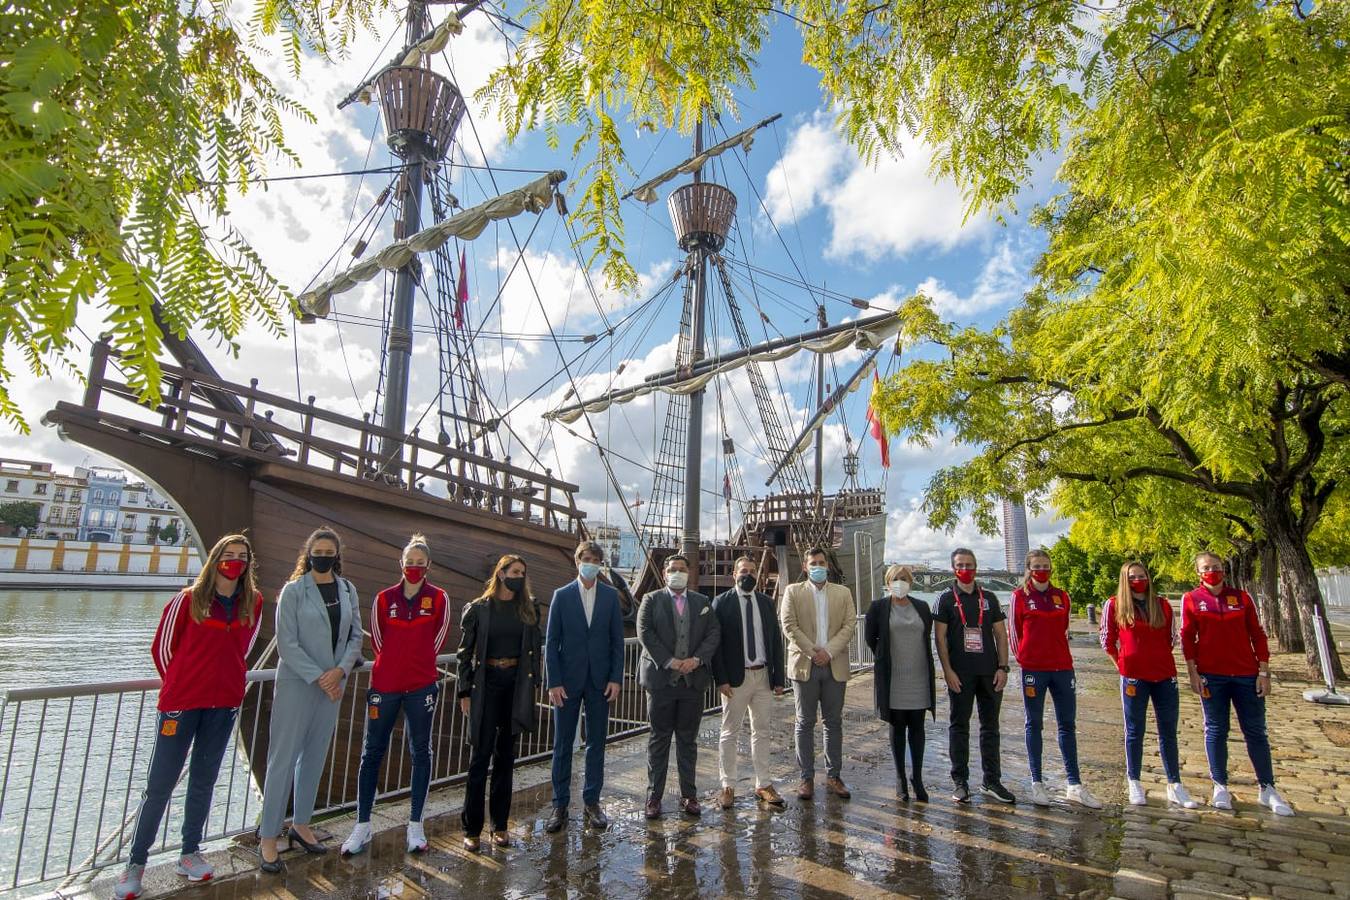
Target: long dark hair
{"x": 323, "y": 532}
{"x": 525, "y": 605}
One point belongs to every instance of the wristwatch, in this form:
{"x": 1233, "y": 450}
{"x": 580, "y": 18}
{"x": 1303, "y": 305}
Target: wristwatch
{"x": 1005, "y": 668}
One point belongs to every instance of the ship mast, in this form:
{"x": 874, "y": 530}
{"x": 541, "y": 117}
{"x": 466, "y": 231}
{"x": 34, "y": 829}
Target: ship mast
{"x": 693, "y": 459}
{"x": 820, "y": 403}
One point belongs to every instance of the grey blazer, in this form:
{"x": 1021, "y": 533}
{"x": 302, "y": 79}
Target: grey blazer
{"x": 656, "y": 634}
{"x": 304, "y": 635}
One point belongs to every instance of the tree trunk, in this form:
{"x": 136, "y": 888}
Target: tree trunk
{"x": 1300, "y": 593}
{"x": 1268, "y": 591}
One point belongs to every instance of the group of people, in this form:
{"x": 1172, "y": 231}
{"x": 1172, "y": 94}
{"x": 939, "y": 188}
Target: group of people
{"x": 740, "y": 641}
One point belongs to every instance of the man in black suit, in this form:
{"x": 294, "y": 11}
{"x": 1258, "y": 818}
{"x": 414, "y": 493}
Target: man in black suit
{"x": 748, "y": 667}
{"x": 679, "y": 635}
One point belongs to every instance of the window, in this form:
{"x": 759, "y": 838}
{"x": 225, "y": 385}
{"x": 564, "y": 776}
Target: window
{"x": 55, "y": 514}
{"x": 114, "y": 497}
{"x": 75, "y": 496}
{"x": 97, "y": 496}
{"x": 129, "y": 523}
{"x": 154, "y": 523}
{"x": 11, "y": 486}
{"x": 60, "y": 495}
{"x": 73, "y": 516}
{"x": 39, "y": 489}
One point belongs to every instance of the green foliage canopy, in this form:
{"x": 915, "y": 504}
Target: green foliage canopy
{"x": 20, "y": 514}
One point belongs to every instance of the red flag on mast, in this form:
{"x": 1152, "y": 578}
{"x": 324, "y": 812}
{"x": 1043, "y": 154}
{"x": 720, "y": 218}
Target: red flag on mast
{"x": 878, "y": 430}
{"x": 461, "y": 293}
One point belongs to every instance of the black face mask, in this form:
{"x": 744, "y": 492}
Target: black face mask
{"x": 515, "y": 585}
{"x": 322, "y": 564}
{"x": 746, "y": 583}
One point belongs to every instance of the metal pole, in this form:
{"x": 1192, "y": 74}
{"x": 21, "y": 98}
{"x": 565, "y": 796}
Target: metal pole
{"x": 1329, "y": 695}
{"x": 820, "y": 402}
{"x": 693, "y": 458}
{"x": 395, "y": 412}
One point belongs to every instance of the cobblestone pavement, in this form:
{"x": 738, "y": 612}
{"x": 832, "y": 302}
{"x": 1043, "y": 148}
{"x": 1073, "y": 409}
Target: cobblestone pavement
{"x": 874, "y": 845}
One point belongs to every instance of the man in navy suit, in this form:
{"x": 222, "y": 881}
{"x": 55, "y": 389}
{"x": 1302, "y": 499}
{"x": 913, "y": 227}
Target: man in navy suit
{"x": 583, "y": 655}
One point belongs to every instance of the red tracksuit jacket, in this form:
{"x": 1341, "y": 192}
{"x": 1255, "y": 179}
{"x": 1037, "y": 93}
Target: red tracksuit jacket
{"x": 407, "y": 636}
{"x": 1039, "y": 630}
{"x": 1222, "y": 633}
{"x": 202, "y": 664}
{"x": 1141, "y": 651}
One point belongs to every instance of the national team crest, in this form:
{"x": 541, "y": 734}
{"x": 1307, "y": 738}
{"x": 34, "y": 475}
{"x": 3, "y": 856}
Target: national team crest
{"x": 426, "y": 603}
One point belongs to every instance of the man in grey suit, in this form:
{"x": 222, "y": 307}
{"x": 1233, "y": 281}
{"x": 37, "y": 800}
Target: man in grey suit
{"x": 679, "y": 635}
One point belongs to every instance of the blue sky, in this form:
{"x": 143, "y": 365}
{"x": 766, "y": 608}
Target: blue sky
{"x": 878, "y": 233}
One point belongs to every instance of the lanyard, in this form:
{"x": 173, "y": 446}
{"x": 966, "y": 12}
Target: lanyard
{"x": 961, "y": 609}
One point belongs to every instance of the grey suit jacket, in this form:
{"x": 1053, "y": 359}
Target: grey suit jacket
{"x": 304, "y": 635}
{"x": 656, "y": 634}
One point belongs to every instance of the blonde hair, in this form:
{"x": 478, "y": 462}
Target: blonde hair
{"x": 203, "y": 589}
{"x": 529, "y": 612}
{"x": 418, "y": 541}
{"x": 1125, "y": 599}
{"x": 1038, "y": 553}
{"x": 899, "y": 571}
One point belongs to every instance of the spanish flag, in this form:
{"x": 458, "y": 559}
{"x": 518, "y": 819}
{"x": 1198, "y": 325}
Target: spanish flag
{"x": 875, "y": 426}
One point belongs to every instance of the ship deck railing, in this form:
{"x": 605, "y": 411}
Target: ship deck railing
{"x": 203, "y": 413}
{"x": 76, "y": 756}
{"x": 778, "y": 509}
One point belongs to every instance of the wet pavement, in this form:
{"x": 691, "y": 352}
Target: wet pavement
{"x": 874, "y": 845}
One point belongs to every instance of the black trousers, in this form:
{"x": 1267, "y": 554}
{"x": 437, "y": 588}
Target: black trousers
{"x": 975, "y": 690}
{"x": 907, "y": 727}
{"x": 496, "y": 745}
{"x": 673, "y": 711}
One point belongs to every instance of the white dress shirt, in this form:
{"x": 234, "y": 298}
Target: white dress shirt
{"x": 822, "y": 615}
{"x": 588, "y": 599}
{"x": 759, "y": 656}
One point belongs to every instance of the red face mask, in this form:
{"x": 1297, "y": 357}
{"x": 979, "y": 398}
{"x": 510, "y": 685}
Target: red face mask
{"x": 1213, "y": 579}
{"x": 1139, "y": 585}
{"x": 414, "y": 574}
{"x": 232, "y": 568}
{"x": 965, "y": 576}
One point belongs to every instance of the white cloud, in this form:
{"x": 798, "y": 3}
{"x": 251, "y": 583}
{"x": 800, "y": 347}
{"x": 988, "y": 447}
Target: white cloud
{"x": 1001, "y": 282}
{"x": 874, "y": 212}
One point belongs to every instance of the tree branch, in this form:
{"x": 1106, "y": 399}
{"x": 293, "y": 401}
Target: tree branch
{"x": 1073, "y": 426}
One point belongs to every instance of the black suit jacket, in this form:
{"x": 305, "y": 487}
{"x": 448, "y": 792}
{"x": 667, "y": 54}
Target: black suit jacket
{"x": 656, "y": 635}
{"x": 728, "y": 664}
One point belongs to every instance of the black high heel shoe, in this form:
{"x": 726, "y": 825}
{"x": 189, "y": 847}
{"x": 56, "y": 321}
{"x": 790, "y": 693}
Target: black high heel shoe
{"x": 273, "y": 866}
{"x": 295, "y": 838}
{"x": 920, "y": 792}
{"x": 901, "y": 789}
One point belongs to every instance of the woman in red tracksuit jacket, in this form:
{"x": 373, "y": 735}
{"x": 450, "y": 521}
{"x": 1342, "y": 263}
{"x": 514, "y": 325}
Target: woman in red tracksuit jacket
{"x": 1139, "y": 632}
{"x": 408, "y": 624}
{"x": 201, "y": 650}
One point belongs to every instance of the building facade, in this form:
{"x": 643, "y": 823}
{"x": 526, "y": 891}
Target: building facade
{"x": 1016, "y": 542}
{"x": 103, "y": 502}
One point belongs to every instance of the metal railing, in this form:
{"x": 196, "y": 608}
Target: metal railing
{"x": 75, "y": 762}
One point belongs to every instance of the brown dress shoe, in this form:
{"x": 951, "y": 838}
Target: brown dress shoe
{"x": 768, "y": 794}
{"x": 501, "y": 839}
{"x": 653, "y": 809}
{"x": 806, "y": 790}
{"x": 838, "y": 788}
{"x": 471, "y": 844}
{"x": 727, "y": 798}
{"x": 689, "y": 806}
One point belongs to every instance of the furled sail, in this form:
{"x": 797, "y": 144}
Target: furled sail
{"x": 818, "y": 419}
{"x": 646, "y": 192}
{"x": 867, "y": 333}
{"x": 467, "y": 225}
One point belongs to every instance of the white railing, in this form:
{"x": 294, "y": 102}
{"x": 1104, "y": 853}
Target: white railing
{"x": 74, "y": 765}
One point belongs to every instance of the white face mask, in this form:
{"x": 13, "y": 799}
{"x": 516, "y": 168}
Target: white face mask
{"x": 677, "y": 581}
{"x": 899, "y": 589}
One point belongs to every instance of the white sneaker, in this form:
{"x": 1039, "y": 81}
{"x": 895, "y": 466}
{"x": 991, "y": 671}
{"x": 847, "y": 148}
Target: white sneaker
{"x": 357, "y": 840}
{"x": 1138, "y": 796}
{"x": 1271, "y": 797}
{"x": 417, "y": 838}
{"x": 1221, "y": 799}
{"x": 1039, "y": 795}
{"x": 1177, "y": 795}
{"x": 1078, "y": 793}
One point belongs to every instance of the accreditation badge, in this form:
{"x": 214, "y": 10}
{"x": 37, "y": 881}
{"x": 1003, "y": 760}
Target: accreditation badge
{"x": 973, "y": 640}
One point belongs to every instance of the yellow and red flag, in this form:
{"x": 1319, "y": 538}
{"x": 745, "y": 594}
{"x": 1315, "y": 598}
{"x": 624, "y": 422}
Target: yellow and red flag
{"x": 874, "y": 423}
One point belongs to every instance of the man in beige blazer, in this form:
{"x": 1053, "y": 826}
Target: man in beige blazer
{"x": 819, "y": 619}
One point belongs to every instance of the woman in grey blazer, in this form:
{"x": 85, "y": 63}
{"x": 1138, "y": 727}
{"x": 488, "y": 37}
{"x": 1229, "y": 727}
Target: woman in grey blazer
{"x": 319, "y": 642}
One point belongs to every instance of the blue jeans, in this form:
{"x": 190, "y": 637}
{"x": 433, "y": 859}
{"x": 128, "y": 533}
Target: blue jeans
{"x": 1135, "y": 695}
{"x": 206, "y": 733}
{"x": 381, "y": 716}
{"x": 1240, "y": 691}
{"x": 565, "y": 719}
{"x": 1060, "y": 685}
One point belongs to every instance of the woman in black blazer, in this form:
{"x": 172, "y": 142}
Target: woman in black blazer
{"x": 899, "y": 629}
{"x": 500, "y": 659}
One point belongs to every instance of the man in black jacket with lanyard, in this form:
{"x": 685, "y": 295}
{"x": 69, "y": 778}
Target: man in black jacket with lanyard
{"x": 748, "y": 669}
{"x": 972, "y": 642}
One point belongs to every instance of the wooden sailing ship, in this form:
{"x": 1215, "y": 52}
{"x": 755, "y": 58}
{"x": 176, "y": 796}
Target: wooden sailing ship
{"x": 239, "y": 457}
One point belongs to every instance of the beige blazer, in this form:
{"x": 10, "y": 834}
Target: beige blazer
{"x": 798, "y": 616}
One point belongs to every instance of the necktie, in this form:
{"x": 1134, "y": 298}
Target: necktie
{"x": 679, "y": 603}
{"x": 750, "y": 628}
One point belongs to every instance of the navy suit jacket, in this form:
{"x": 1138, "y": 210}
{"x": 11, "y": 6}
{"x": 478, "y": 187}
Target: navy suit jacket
{"x": 576, "y": 656}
